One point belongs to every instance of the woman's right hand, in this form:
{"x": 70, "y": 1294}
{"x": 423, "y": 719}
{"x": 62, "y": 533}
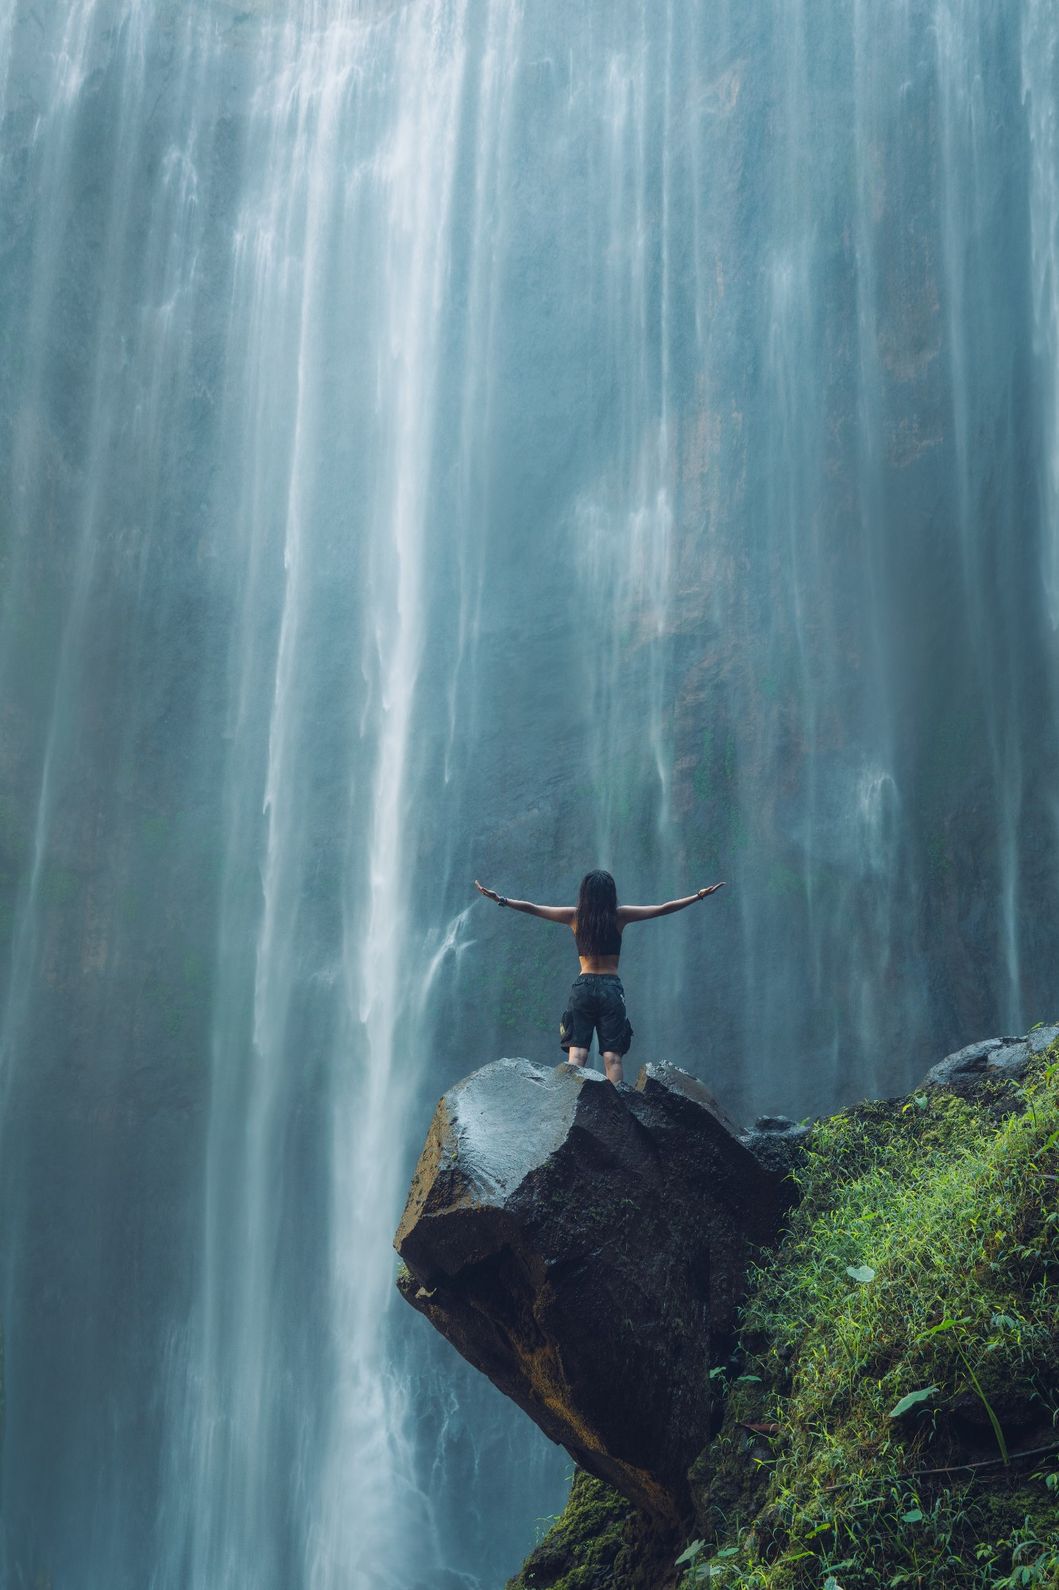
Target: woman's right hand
{"x": 490, "y": 894}
{"x": 711, "y": 890}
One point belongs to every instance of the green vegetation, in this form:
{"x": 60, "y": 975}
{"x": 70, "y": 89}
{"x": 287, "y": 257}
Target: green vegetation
{"x": 598, "y": 1540}
{"x": 892, "y": 1417}
{"x": 908, "y": 1324}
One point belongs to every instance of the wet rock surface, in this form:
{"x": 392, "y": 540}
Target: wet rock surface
{"x": 586, "y": 1247}
{"x": 776, "y": 1141}
{"x": 965, "y": 1070}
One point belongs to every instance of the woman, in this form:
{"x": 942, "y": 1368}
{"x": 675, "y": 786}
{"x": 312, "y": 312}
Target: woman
{"x": 597, "y": 999}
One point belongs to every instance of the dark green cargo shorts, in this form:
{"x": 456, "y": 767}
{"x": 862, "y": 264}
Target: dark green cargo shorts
{"x": 596, "y": 1004}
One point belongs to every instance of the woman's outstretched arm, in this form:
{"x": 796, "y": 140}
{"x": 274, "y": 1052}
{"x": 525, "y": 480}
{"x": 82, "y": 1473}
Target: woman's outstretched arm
{"x": 550, "y": 913}
{"x": 643, "y": 913}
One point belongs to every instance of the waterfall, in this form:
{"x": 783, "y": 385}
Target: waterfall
{"x": 455, "y": 438}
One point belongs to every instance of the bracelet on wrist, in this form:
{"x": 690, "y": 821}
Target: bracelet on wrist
{"x": 500, "y": 900}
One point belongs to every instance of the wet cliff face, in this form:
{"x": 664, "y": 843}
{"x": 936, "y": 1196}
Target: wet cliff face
{"x": 440, "y": 440}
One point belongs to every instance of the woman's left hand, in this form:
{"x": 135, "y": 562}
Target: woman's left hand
{"x": 490, "y": 894}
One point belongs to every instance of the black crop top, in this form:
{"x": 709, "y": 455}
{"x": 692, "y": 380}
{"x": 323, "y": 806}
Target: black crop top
{"x": 610, "y": 946}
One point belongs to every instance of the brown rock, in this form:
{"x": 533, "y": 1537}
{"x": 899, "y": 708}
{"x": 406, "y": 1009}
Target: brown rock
{"x": 585, "y": 1246}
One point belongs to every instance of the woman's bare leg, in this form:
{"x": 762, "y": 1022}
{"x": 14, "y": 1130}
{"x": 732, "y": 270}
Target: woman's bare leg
{"x": 612, "y": 1066}
{"x": 577, "y": 1057}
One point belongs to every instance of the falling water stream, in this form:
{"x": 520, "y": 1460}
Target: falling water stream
{"x": 454, "y": 438}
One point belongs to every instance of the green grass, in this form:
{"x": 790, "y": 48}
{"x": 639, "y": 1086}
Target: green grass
{"x": 948, "y": 1213}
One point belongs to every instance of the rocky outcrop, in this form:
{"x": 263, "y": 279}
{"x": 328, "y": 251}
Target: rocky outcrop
{"x": 964, "y": 1071}
{"x": 892, "y": 1406}
{"x": 586, "y": 1246}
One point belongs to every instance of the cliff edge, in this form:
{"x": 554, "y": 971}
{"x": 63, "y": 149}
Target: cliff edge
{"x": 823, "y": 1358}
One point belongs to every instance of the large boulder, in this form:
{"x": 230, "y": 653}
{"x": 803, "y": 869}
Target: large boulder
{"x": 586, "y": 1247}
{"x": 964, "y": 1071}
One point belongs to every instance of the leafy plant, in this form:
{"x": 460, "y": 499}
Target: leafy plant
{"x": 911, "y": 1398}
{"x": 954, "y": 1201}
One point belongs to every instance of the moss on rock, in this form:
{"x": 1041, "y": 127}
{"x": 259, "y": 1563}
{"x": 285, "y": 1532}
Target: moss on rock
{"x": 598, "y": 1542}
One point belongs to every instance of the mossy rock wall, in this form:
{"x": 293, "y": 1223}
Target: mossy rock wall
{"x": 598, "y": 1542}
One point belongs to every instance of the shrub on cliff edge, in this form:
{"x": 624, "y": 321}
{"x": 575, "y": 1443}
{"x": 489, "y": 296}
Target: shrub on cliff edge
{"x": 905, "y": 1340}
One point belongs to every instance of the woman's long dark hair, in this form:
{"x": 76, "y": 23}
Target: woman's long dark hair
{"x": 597, "y": 915}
